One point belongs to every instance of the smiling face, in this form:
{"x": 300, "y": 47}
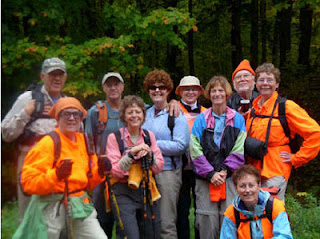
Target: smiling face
{"x": 69, "y": 120}
{"x": 266, "y": 84}
{"x": 218, "y": 95}
{"x": 243, "y": 81}
{"x": 113, "y": 88}
{"x": 190, "y": 94}
{"x": 134, "y": 116}
{"x": 158, "y": 93}
{"x": 54, "y": 82}
{"x": 248, "y": 190}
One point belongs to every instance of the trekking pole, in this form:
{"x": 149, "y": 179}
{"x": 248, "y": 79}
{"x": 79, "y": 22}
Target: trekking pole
{"x": 115, "y": 203}
{"x": 144, "y": 191}
{"x": 150, "y": 196}
{"x": 68, "y": 209}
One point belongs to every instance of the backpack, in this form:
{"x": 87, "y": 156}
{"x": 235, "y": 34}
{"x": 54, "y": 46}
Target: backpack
{"x": 171, "y": 123}
{"x": 121, "y": 142}
{"x": 103, "y": 116}
{"x": 268, "y": 214}
{"x": 57, "y": 148}
{"x": 294, "y": 143}
{"x": 28, "y": 137}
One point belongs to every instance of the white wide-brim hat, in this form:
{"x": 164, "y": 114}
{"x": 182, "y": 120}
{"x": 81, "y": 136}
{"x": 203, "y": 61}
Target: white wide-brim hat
{"x": 189, "y": 81}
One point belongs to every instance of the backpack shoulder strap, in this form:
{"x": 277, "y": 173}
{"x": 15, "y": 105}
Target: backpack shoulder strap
{"x": 57, "y": 146}
{"x": 147, "y": 137}
{"x": 171, "y": 123}
{"x": 269, "y": 208}
{"x": 282, "y": 116}
{"x": 119, "y": 141}
{"x": 103, "y": 116}
{"x": 237, "y": 217}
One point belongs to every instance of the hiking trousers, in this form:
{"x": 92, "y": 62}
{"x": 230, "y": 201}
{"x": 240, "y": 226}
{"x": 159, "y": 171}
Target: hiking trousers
{"x": 169, "y": 183}
{"x": 209, "y": 215}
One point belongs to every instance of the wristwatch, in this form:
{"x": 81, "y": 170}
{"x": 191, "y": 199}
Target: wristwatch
{"x": 130, "y": 155}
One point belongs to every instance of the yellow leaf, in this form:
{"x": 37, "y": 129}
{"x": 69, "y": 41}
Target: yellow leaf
{"x": 140, "y": 67}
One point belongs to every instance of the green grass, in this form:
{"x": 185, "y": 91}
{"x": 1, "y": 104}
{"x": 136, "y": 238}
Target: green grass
{"x": 303, "y": 210}
{"x": 9, "y": 219}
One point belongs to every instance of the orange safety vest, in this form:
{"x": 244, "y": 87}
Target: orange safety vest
{"x": 191, "y": 116}
{"x": 244, "y": 231}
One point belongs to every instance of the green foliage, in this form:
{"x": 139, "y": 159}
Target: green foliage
{"x": 45, "y": 29}
{"x": 304, "y": 215}
{"x": 9, "y": 219}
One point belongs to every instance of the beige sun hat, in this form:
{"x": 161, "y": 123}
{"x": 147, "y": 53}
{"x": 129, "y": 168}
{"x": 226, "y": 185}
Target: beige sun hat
{"x": 189, "y": 81}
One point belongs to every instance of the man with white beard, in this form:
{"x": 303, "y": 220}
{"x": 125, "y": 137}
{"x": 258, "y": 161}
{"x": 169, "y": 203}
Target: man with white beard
{"x": 243, "y": 83}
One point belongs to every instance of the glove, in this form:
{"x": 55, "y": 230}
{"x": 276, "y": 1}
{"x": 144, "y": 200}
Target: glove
{"x": 64, "y": 169}
{"x": 104, "y": 165}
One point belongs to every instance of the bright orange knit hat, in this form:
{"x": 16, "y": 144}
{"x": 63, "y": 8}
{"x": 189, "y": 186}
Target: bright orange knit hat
{"x": 244, "y": 65}
{"x": 64, "y": 103}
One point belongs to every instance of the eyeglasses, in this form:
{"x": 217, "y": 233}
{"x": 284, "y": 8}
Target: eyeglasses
{"x": 160, "y": 87}
{"x": 190, "y": 89}
{"x": 262, "y": 80}
{"x": 246, "y": 77}
{"x": 76, "y": 115}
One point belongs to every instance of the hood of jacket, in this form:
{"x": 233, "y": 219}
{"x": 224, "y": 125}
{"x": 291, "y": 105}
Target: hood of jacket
{"x": 258, "y": 209}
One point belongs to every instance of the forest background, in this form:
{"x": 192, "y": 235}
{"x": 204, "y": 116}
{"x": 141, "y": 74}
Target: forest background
{"x": 186, "y": 37}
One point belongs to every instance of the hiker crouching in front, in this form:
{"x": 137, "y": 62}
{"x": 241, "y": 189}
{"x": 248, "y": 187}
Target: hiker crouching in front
{"x": 135, "y": 158}
{"x": 254, "y": 213}
{"x": 57, "y": 172}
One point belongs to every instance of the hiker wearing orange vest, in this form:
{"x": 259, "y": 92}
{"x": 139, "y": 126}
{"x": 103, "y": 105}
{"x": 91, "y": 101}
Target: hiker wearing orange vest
{"x": 254, "y": 213}
{"x": 275, "y": 164}
{"x": 51, "y": 178}
{"x": 189, "y": 90}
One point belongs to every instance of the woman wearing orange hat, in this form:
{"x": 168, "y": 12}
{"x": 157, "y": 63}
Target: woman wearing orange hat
{"x": 48, "y": 176}
{"x": 276, "y": 161}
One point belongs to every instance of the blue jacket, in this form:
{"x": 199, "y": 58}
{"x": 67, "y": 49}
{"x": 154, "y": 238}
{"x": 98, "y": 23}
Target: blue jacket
{"x": 175, "y": 146}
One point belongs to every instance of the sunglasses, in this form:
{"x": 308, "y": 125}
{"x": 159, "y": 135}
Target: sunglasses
{"x": 67, "y": 115}
{"x": 160, "y": 87}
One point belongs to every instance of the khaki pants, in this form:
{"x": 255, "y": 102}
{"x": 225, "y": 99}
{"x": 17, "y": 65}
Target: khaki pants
{"x": 278, "y": 181}
{"x": 169, "y": 184}
{"x": 23, "y": 199}
{"x": 209, "y": 215}
{"x": 54, "y": 216}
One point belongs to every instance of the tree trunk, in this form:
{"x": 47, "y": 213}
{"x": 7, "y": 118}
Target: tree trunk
{"x": 235, "y": 33}
{"x": 263, "y": 31}
{"x": 285, "y": 32}
{"x": 275, "y": 43}
{"x": 306, "y": 14}
{"x": 254, "y": 37}
{"x": 190, "y": 44}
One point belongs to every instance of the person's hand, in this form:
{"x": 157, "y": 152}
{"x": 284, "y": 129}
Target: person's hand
{"x": 174, "y": 108}
{"x": 141, "y": 150}
{"x": 104, "y": 165}
{"x": 218, "y": 178}
{"x": 63, "y": 171}
{"x": 287, "y": 156}
{"x": 30, "y": 107}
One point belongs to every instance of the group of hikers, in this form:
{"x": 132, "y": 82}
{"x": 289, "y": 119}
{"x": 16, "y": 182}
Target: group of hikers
{"x": 80, "y": 172}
